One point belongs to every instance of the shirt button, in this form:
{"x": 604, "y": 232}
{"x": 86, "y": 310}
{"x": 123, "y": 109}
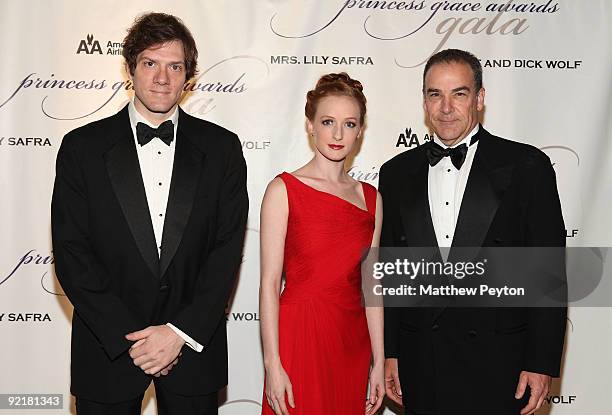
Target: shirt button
{"x": 446, "y": 203}
{"x": 446, "y": 235}
{"x": 160, "y": 183}
{"x": 448, "y": 170}
{"x": 159, "y": 152}
{"x": 161, "y": 214}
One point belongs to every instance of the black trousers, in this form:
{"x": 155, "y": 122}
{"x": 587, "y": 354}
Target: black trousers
{"x": 167, "y": 404}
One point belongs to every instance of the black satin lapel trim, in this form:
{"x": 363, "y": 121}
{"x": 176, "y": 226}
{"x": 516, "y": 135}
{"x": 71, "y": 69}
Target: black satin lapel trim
{"x": 418, "y": 224}
{"x": 416, "y": 215}
{"x": 124, "y": 173}
{"x": 187, "y": 166}
{"x": 478, "y": 206}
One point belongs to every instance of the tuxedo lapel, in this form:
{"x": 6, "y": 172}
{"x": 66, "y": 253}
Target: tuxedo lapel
{"x": 418, "y": 224}
{"x": 188, "y": 161}
{"x": 124, "y": 173}
{"x": 486, "y": 183}
{"x": 478, "y": 207}
{"x": 415, "y": 212}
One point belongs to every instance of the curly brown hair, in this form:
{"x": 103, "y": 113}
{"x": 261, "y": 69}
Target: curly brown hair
{"x": 154, "y": 29}
{"x": 335, "y": 84}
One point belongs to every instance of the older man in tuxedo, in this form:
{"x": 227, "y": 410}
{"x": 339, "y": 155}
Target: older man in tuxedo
{"x": 469, "y": 188}
{"x": 148, "y": 218}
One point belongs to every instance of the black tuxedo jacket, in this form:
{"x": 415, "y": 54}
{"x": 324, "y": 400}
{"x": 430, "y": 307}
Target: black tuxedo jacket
{"x": 107, "y": 262}
{"x": 466, "y": 360}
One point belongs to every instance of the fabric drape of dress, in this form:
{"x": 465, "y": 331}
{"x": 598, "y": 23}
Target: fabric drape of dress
{"x": 324, "y": 343}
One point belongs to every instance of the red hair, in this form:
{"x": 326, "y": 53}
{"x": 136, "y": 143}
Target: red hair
{"x": 335, "y": 84}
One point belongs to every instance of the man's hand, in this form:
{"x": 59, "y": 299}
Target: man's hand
{"x": 392, "y": 382}
{"x": 155, "y": 349}
{"x": 539, "y": 385}
{"x": 168, "y": 368}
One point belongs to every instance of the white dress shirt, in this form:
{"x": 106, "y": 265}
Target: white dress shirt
{"x": 446, "y": 186}
{"x": 156, "y": 160}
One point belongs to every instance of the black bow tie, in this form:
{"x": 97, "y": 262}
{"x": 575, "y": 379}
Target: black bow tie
{"x": 164, "y": 132}
{"x": 436, "y": 152}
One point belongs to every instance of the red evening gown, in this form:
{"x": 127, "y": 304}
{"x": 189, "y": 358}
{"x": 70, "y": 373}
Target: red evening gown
{"x": 324, "y": 343}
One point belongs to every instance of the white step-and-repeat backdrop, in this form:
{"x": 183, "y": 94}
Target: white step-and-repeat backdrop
{"x": 547, "y": 73}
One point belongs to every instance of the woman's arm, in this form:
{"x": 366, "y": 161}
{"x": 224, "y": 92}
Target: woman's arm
{"x": 375, "y": 317}
{"x": 273, "y": 228}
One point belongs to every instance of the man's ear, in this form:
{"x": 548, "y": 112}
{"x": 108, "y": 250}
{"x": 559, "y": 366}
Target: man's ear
{"x": 127, "y": 70}
{"x": 480, "y": 99}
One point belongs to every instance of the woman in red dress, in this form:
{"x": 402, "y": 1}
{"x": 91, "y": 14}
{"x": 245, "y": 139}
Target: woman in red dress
{"x": 320, "y": 343}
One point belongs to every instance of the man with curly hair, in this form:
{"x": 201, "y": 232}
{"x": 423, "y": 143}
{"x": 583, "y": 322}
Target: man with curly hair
{"x": 148, "y": 217}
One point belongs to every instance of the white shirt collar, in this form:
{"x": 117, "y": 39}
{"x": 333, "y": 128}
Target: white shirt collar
{"x": 466, "y": 139}
{"x": 136, "y": 117}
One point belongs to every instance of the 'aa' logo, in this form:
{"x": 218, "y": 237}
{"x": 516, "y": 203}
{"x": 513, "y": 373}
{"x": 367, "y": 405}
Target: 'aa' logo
{"x": 90, "y": 46}
{"x": 410, "y": 139}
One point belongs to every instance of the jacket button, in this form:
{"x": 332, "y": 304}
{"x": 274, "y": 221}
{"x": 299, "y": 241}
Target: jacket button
{"x": 472, "y": 333}
{"x": 435, "y": 327}
{"x": 163, "y": 287}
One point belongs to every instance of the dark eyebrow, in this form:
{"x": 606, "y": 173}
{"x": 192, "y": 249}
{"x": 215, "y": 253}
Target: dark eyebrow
{"x": 461, "y": 88}
{"x": 143, "y": 57}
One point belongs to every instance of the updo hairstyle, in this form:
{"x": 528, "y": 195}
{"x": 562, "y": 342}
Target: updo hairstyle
{"x": 335, "y": 84}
